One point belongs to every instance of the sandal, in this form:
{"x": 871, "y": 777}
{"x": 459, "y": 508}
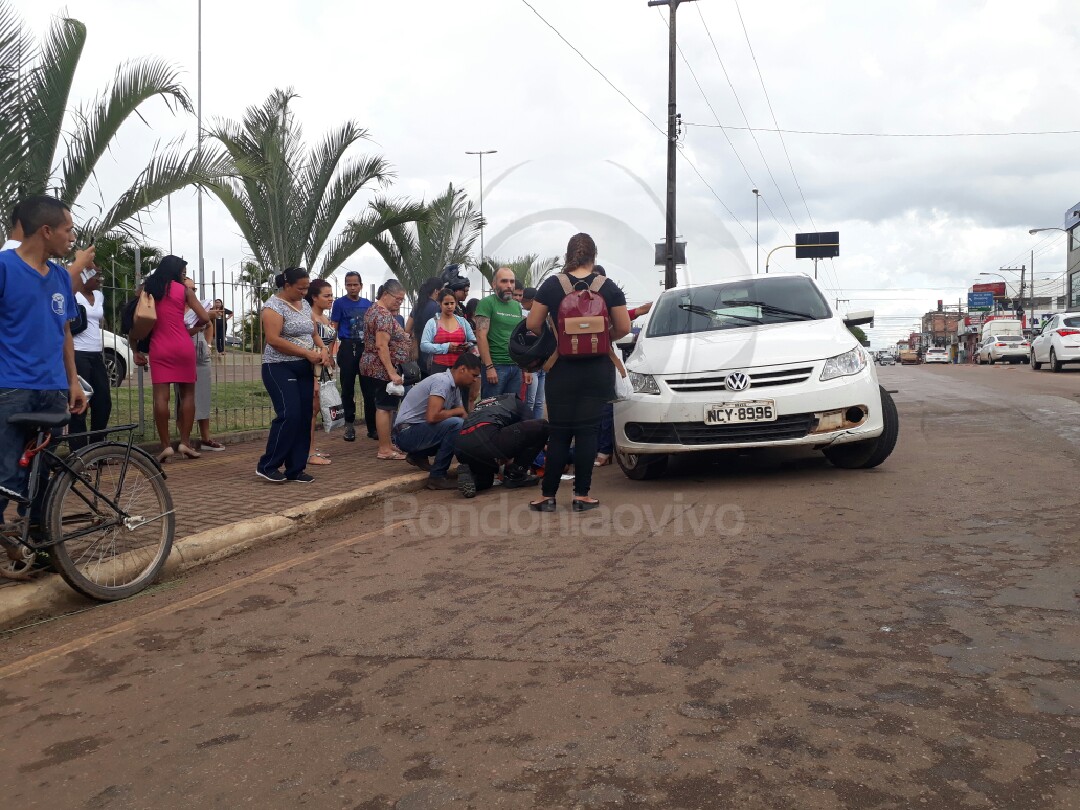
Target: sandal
{"x": 543, "y": 505}
{"x": 318, "y": 459}
{"x": 391, "y": 457}
{"x": 602, "y": 460}
{"x": 581, "y": 505}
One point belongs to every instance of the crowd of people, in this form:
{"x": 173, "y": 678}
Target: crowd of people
{"x": 443, "y": 385}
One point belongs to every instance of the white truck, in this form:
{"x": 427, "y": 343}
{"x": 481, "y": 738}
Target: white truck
{"x": 1001, "y": 326}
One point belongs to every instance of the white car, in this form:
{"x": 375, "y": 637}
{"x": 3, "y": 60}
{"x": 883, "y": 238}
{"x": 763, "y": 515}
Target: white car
{"x": 1003, "y": 349}
{"x": 759, "y": 361}
{"x": 1058, "y": 343}
{"x": 936, "y": 355}
{"x": 119, "y": 361}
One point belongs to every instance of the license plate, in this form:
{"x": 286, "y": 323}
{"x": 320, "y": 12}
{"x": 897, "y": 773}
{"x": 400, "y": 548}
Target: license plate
{"x": 733, "y": 413}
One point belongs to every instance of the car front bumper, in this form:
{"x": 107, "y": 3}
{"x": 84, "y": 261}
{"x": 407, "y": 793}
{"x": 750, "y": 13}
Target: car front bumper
{"x": 675, "y": 422}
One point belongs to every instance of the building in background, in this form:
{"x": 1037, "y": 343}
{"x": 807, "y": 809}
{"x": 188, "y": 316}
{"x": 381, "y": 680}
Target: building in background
{"x": 1072, "y": 258}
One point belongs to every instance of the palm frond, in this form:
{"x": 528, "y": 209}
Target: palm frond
{"x": 381, "y": 216}
{"x": 134, "y": 84}
{"x": 16, "y": 53}
{"x": 168, "y": 171}
{"x": 350, "y": 180}
{"x": 47, "y": 90}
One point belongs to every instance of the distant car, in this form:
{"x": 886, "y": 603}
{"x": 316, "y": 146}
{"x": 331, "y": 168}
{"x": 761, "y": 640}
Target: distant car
{"x": 234, "y": 341}
{"x": 936, "y": 355}
{"x": 1059, "y": 342}
{"x": 886, "y": 360}
{"x": 1003, "y": 349}
{"x": 119, "y": 361}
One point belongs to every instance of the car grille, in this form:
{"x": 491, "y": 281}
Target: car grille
{"x": 758, "y": 379}
{"x": 697, "y": 433}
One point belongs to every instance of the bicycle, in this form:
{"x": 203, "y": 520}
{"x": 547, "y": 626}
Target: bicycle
{"x": 106, "y": 518}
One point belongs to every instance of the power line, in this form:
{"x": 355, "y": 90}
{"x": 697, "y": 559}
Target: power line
{"x": 783, "y": 143}
{"x": 883, "y": 134}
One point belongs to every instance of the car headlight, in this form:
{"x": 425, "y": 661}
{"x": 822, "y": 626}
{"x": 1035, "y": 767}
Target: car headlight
{"x": 643, "y": 383}
{"x": 844, "y": 365}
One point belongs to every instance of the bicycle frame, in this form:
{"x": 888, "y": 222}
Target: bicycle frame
{"x": 37, "y": 480}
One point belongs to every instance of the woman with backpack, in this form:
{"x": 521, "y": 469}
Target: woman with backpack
{"x": 590, "y": 314}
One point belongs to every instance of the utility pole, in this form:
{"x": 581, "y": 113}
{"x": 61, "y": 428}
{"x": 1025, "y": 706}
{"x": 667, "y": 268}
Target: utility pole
{"x": 672, "y": 137}
{"x": 481, "y": 154}
{"x": 198, "y": 149}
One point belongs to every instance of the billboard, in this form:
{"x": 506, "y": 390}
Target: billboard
{"x": 824, "y": 245}
{"x": 995, "y": 287}
{"x": 980, "y": 300}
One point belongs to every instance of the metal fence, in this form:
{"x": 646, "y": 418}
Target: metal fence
{"x": 238, "y": 398}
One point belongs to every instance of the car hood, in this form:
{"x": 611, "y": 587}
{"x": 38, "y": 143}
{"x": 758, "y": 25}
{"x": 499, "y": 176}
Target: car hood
{"x": 774, "y": 344}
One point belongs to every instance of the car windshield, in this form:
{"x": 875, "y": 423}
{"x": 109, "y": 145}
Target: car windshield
{"x": 736, "y": 305}
{"x": 1009, "y": 339}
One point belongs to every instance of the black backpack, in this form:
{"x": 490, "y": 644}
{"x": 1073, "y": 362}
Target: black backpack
{"x": 503, "y": 410}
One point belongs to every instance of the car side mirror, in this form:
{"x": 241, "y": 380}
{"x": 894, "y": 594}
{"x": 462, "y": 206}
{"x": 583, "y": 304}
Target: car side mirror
{"x": 861, "y": 318}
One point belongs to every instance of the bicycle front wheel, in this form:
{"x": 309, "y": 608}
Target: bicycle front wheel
{"x": 110, "y": 551}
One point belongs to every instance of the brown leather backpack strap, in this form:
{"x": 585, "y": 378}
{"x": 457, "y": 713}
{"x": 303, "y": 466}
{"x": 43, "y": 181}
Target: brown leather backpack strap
{"x": 555, "y": 354}
{"x": 598, "y": 282}
{"x": 567, "y": 285}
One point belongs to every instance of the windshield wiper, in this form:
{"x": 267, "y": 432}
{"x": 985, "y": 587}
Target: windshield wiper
{"x": 803, "y": 316}
{"x": 710, "y": 314}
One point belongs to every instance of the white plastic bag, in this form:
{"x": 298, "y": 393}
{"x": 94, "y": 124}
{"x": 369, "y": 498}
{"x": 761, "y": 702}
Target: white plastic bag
{"x": 624, "y": 389}
{"x": 333, "y": 412}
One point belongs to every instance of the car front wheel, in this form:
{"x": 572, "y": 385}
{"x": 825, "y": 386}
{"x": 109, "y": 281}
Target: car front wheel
{"x": 872, "y": 452}
{"x": 641, "y": 466}
{"x": 116, "y": 368}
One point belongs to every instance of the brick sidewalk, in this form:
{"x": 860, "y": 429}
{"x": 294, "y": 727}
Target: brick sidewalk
{"x": 222, "y": 487}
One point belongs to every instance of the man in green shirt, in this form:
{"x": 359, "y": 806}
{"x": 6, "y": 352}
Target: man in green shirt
{"x": 496, "y": 317}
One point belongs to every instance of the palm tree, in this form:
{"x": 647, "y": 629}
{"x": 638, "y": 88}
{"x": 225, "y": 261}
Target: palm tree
{"x": 287, "y": 199}
{"x": 445, "y": 236}
{"x": 47, "y": 148}
{"x": 115, "y": 255}
{"x": 529, "y": 269}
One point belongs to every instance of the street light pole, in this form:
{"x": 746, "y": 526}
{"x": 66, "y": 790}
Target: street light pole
{"x": 198, "y": 149}
{"x": 480, "y": 155}
{"x": 672, "y": 139}
{"x": 757, "y": 231}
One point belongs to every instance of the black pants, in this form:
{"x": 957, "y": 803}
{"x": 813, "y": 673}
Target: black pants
{"x": 484, "y": 448}
{"x": 291, "y": 386}
{"x": 348, "y": 360}
{"x": 91, "y": 367}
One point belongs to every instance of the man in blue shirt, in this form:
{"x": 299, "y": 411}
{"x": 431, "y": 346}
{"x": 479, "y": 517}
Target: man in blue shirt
{"x": 347, "y": 316}
{"x": 37, "y": 364}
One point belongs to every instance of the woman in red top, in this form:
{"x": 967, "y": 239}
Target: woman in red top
{"x": 448, "y": 335}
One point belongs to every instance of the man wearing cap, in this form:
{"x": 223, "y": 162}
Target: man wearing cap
{"x": 347, "y": 317}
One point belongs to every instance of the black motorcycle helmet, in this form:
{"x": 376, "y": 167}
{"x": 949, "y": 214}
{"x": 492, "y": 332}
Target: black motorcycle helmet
{"x": 453, "y": 280}
{"x": 530, "y": 351}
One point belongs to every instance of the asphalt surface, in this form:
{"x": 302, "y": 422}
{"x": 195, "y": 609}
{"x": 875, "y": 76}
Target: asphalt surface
{"x": 762, "y": 632}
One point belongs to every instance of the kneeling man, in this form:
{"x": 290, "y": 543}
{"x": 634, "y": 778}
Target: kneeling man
{"x": 429, "y": 418}
{"x": 499, "y": 431}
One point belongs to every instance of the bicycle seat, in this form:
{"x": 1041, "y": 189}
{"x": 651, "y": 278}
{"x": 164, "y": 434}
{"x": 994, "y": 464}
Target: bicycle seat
{"x": 39, "y": 421}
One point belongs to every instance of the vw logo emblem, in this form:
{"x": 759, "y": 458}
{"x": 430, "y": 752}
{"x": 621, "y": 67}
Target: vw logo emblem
{"x": 737, "y": 381}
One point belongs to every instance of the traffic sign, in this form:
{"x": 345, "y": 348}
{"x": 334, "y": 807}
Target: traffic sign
{"x": 980, "y": 301}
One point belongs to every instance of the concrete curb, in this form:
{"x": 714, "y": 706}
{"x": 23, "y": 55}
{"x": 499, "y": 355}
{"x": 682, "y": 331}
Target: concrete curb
{"x": 51, "y": 596}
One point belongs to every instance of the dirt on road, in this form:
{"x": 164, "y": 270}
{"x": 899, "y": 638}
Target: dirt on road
{"x": 747, "y": 632}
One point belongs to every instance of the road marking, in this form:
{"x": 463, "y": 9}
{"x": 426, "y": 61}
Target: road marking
{"x": 130, "y": 624}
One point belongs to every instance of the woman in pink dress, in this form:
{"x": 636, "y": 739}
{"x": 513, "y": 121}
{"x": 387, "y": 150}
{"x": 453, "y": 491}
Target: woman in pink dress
{"x": 172, "y": 353}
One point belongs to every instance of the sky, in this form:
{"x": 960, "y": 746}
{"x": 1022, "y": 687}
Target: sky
{"x": 578, "y": 148}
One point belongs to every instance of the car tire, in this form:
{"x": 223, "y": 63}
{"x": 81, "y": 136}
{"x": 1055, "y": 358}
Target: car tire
{"x": 1055, "y": 364}
{"x": 872, "y": 452}
{"x": 1035, "y": 364}
{"x": 641, "y": 466}
{"x": 116, "y": 368}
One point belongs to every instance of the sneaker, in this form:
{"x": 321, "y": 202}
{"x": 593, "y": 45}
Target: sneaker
{"x": 373, "y": 436}
{"x": 350, "y": 433}
{"x": 273, "y": 476}
{"x": 212, "y": 446}
{"x": 420, "y": 462}
{"x": 303, "y": 478}
{"x": 441, "y": 483}
{"x": 466, "y": 483}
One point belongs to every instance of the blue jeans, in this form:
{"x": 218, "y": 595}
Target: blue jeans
{"x": 291, "y": 386}
{"x": 13, "y": 440}
{"x": 606, "y": 444}
{"x": 422, "y": 439}
{"x": 510, "y": 379}
{"x": 534, "y": 396}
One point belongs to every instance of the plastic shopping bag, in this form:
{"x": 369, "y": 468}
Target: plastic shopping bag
{"x": 333, "y": 412}
{"x": 624, "y": 389}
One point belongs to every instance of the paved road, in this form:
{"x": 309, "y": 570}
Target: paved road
{"x": 754, "y": 633}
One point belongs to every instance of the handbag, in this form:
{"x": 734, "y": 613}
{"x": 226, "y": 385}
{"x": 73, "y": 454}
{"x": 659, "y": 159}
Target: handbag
{"x": 79, "y": 323}
{"x": 333, "y": 412}
{"x": 145, "y": 317}
{"x": 410, "y": 372}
